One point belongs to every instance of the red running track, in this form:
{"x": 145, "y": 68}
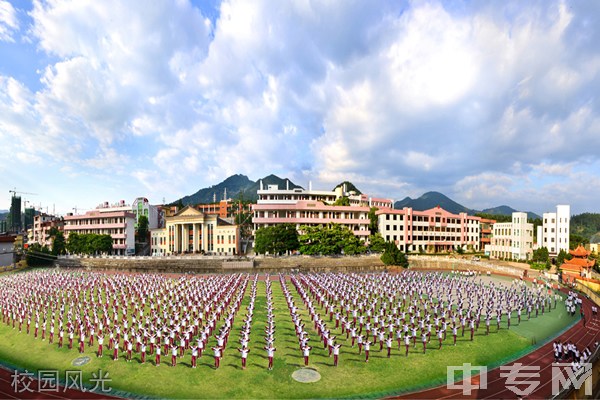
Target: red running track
{"x": 542, "y": 358}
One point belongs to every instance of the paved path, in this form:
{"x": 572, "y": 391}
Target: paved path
{"x": 542, "y": 357}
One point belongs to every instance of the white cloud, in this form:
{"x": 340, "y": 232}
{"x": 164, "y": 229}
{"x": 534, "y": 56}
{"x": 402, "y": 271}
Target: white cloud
{"x": 420, "y": 96}
{"x": 9, "y": 22}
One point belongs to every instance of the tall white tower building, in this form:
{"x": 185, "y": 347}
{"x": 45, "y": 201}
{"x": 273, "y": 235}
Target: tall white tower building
{"x": 555, "y": 230}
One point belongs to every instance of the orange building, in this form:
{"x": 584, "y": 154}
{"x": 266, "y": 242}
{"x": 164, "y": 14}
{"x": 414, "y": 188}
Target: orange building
{"x": 579, "y": 265}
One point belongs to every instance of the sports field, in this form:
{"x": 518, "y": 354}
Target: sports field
{"x": 353, "y": 377}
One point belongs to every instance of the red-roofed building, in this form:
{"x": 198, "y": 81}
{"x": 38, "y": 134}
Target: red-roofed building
{"x": 579, "y": 265}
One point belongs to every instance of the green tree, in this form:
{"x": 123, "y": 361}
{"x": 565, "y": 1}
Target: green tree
{"x": 562, "y": 256}
{"x": 103, "y": 244}
{"x": 393, "y": 256}
{"x": 575, "y": 240}
{"x": 342, "y": 201}
{"x": 376, "y": 243}
{"x": 541, "y": 255}
{"x": 142, "y": 231}
{"x": 38, "y": 256}
{"x": 278, "y": 239}
{"x": 329, "y": 240}
{"x": 373, "y": 221}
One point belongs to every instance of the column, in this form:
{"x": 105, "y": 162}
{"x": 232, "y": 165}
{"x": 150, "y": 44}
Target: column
{"x": 204, "y": 238}
{"x": 175, "y": 239}
{"x": 182, "y": 237}
{"x": 195, "y": 247}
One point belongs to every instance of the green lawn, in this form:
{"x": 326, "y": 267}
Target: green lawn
{"x": 354, "y": 377}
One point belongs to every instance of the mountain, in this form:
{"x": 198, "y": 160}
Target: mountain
{"x": 506, "y": 210}
{"x": 3, "y": 214}
{"x": 237, "y": 187}
{"x": 433, "y": 199}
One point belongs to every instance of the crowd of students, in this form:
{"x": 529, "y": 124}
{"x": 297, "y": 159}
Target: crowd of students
{"x": 153, "y": 315}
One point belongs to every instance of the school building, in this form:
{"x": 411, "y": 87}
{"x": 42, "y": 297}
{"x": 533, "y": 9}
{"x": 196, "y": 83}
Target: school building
{"x": 314, "y": 208}
{"x": 432, "y": 231}
{"x": 190, "y": 231}
{"x": 512, "y": 240}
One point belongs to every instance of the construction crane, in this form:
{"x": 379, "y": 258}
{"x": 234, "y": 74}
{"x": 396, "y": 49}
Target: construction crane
{"x": 15, "y": 191}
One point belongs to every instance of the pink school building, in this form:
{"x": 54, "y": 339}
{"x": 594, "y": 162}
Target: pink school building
{"x": 434, "y": 230}
{"x": 314, "y": 207}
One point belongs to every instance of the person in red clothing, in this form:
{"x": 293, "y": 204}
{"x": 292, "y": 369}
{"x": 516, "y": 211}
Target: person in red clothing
{"x": 194, "y": 356}
{"x": 270, "y": 353}
{"x": 174, "y": 350}
{"x": 244, "y": 352}
{"x": 336, "y": 354}
{"x": 306, "y": 353}
{"x": 217, "y": 354}
{"x": 143, "y": 353}
{"x": 157, "y": 357}
{"x": 100, "y": 343}
{"x": 367, "y": 349}
{"x": 115, "y": 353}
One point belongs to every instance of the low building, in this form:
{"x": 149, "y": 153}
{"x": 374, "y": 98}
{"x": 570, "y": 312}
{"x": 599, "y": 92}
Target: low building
{"x": 190, "y": 231}
{"x": 433, "y": 231}
{"x": 512, "y": 240}
{"x": 579, "y": 264}
{"x": 7, "y": 246}
{"x": 120, "y": 225}
{"x": 42, "y": 224}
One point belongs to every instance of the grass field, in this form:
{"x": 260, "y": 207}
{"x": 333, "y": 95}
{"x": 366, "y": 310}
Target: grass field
{"x": 352, "y": 378}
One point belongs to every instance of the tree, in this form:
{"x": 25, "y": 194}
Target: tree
{"x": 59, "y": 244}
{"x": 329, "y": 240}
{"x": 562, "y": 256}
{"x": 89, "y": 243}
{"x": 376, "y": 243}
{"x": 38, "y": 256}
{"x": 541, "y": 256}
{"x": 373, "y": 221}
{"x": 103, "y": 244}
{"x": 393, "y": 256}
{"x": 342, "y": 201}
{"x": 278, "y": 239}
{"x": 142, "y": 231}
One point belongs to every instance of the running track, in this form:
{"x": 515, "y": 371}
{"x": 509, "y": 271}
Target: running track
{"x": 542, "y": 357}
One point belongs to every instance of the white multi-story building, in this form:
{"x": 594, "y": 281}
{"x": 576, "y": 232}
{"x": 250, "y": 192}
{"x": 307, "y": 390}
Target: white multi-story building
{"x": 434, "y": 230}
{"x": 118, "y": 224}
{"x": 140, "y": 206}
{"x": 512, "y": 240}
{"x": 554, "y": 232}
{"x": 314, "y": 207}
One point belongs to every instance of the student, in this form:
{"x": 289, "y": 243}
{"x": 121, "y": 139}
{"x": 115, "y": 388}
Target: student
{"x": 367, "y": 348}
{"x": 270, "y": 353}
{"x": 217, "y": 355}
{"x": 143, "y": 352}
{"x": 244, "y": 352}
{"x": 306, "y": 353}
{"x": 157, "y": 357}
{"x": 100, "y": 343}
{"x": 336, "y": 354}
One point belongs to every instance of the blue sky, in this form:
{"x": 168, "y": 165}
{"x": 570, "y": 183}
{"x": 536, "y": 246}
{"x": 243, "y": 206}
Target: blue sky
{"x": 489, "y": 102}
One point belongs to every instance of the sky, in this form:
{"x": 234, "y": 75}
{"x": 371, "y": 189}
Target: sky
{"x": 488, "y": 102}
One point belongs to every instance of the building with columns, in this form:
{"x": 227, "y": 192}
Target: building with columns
{"x": 434, "y": 230}
{"x": 191, "y": 231}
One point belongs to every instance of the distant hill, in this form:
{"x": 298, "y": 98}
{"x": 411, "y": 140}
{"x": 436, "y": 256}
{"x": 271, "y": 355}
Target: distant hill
{"x": 349, "y": 187}
{"x": 237, "y": 187}
{"x": 433, "y": 199}
{"x": 3, "y": 215}
{"x": 506, "y": 210}
{"x": 586, "y": 225}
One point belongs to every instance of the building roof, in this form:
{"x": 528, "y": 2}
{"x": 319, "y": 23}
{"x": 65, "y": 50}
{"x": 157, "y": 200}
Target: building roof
{"x": 580, "y": 251}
